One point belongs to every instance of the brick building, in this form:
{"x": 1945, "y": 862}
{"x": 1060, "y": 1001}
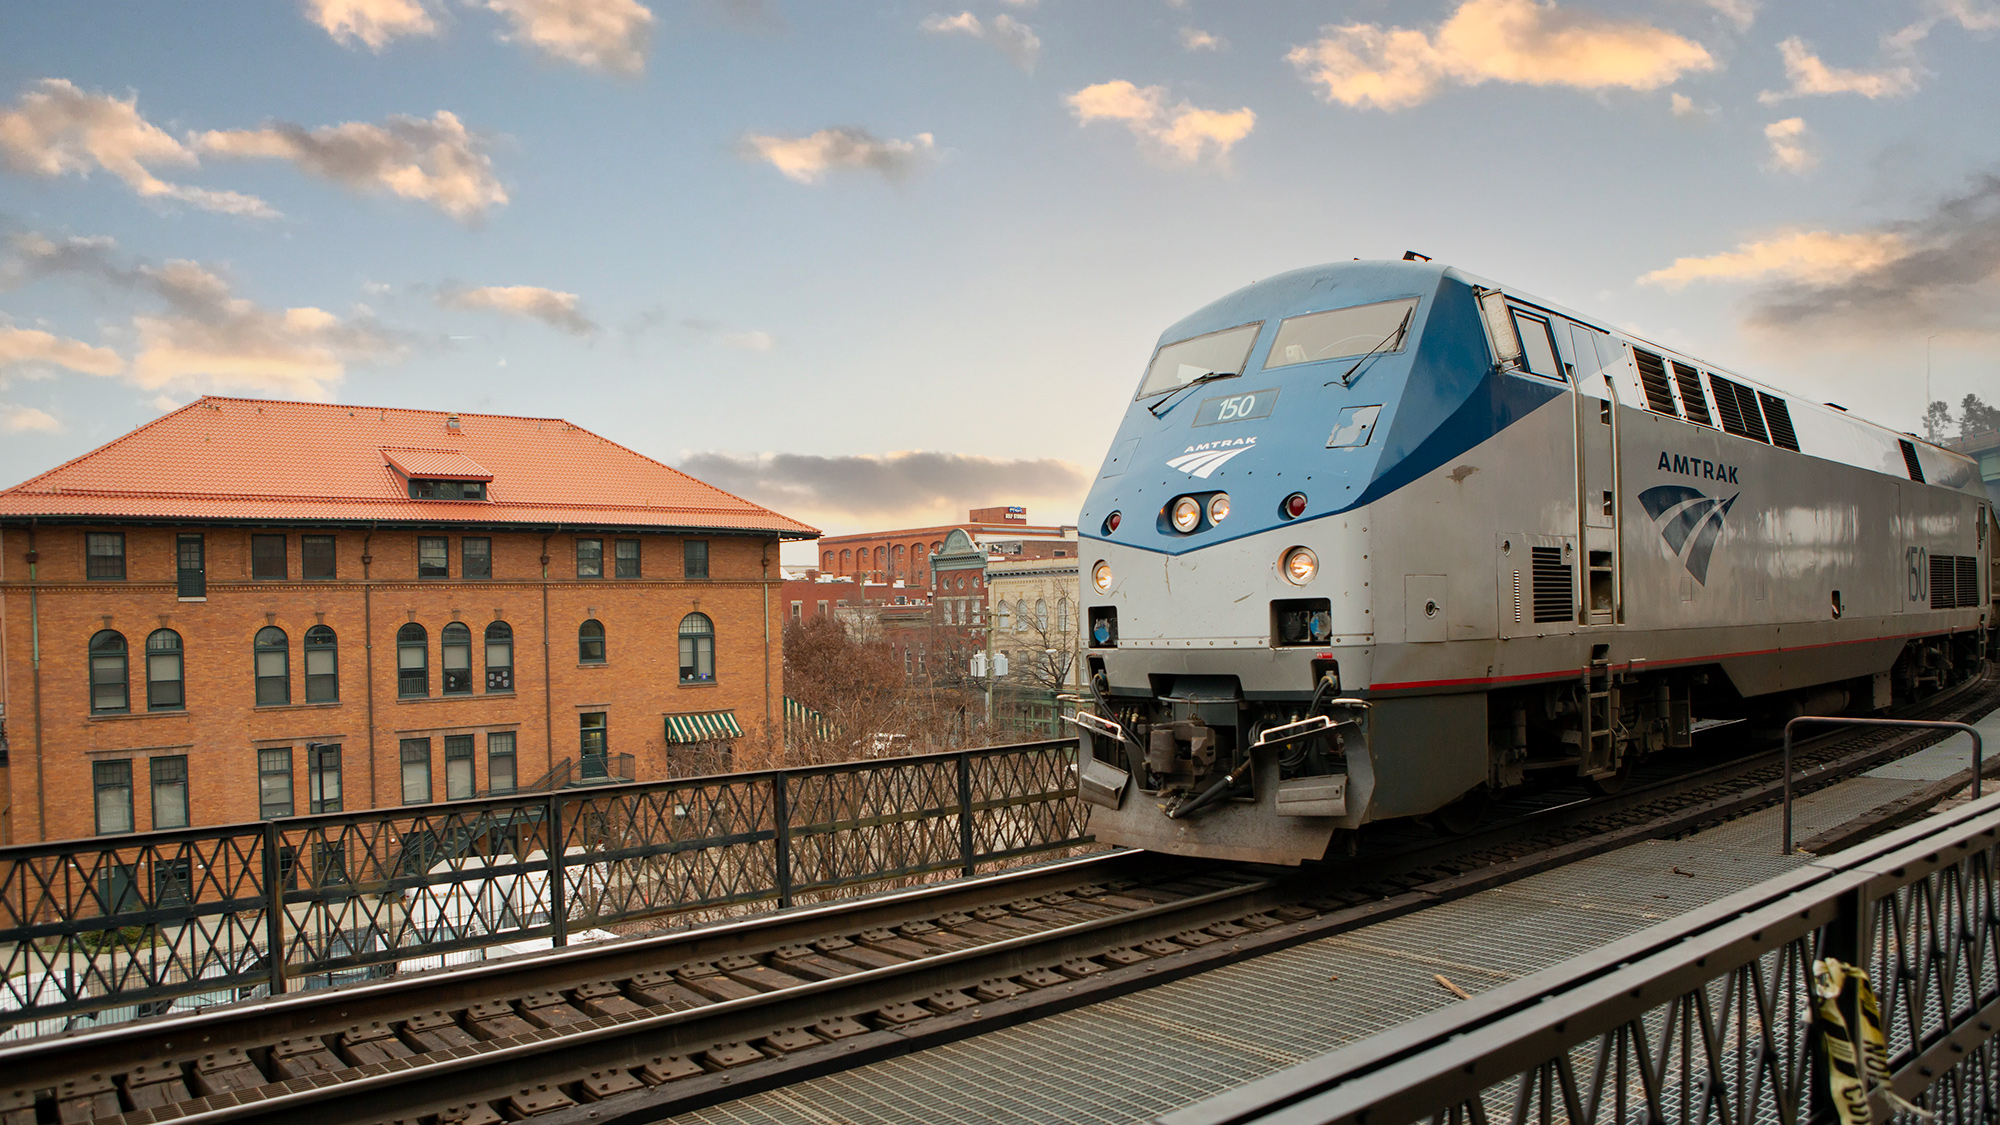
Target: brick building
{"x": 885, "y": 556}
{"x": 248, "y": 609}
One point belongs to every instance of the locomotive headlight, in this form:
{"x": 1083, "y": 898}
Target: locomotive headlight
{"x": 1100, "y": 576}
{"x": 1218, "y": 507}
{"x": 1187, "y": 514}
{"x": 1299, "y": 565}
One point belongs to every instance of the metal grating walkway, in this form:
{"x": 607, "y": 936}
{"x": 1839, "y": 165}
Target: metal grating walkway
{"x": 1153, "y": 1051}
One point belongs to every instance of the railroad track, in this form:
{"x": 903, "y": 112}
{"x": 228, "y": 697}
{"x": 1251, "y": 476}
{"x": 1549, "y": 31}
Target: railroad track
{"x": 637, "y": 1030}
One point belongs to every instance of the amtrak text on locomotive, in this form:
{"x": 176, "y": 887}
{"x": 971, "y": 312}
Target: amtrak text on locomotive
{"x": 1696, "y": 467}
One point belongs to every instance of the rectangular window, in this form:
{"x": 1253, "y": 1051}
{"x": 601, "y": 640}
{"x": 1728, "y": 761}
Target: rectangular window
{"x": 104, "y": 556}
{"x": 170, "y": 791}
{"x": 111, "y": 783}
{"x": 267, "y": 556}
{"x": 322, "y": 777}
{"x": 594, "y": 744}
{"x": 590, "y": 558}
{"x": 798, "y": 609}
{"x": 433, "y": 557}
{"x": 274, "y": 783}
{"x": 457, "y": 767}
{"x": 316, "y": 557}
{"x": 500, "y": 762}
{"x": 696, "y": 552}
{"x": 190, "y": 567}
{"x": 476, "y": 557}
{"x": 627, "y": 558}
{"x": 416, "y": 756}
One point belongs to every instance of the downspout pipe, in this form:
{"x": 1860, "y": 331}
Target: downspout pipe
{"x": 368, "y": 654}
{"x": 548, "y": 700}
{"x": 35, "y": 680}
{"x": 766, "y": 591}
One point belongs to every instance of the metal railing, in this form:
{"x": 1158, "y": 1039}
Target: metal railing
{"x": 1708, "y": 1017}
{"x": 133, "y": 924}
{"x": 1978, "y": 753}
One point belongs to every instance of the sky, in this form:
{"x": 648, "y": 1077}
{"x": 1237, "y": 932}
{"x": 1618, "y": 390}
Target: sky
{"x": 875, "y": 263}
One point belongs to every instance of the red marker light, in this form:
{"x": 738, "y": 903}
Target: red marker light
{"x": 1111, "y": 521}
{"x": 1295, "y": 505}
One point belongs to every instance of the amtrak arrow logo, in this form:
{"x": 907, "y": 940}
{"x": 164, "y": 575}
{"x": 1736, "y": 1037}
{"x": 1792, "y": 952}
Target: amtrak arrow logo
{"x": 1201, "y": 460}
{"x": 1689, "y": 521}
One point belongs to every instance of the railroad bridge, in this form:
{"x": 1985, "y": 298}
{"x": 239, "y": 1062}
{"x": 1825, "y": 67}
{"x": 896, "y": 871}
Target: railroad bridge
{"x": 937, "y": 938}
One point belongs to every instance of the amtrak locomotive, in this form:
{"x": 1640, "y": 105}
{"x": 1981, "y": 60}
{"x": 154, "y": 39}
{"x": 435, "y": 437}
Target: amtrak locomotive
{"x": 1377, "y": 538}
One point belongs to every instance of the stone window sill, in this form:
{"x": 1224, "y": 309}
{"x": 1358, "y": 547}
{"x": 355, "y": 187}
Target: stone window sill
{"x": 269, "y": 707}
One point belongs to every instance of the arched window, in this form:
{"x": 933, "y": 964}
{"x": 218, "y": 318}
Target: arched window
{"x": 1042, "y": 614}
{"x": 499, "y": 657}
{"x": 456, "y": 643}
{"x": 936, "y": 547}
{"x": 1062, "y": 616}
{"x": 878, "y": 558}
{"x": 697, "y": 649}
{"x": 1021, "y": 616}
{"x": 845, "y": 557}
{"x": 109, "y": 689}
{"x": 274, "y": 666}
{"x": 828, "y": 565}
{"x": 1000, "y": 615}
{"x": 165, "y": 689}
{"x": 413, "y": 662}
{"x": 590, "y": 642}
{"x": 322, "y": 665}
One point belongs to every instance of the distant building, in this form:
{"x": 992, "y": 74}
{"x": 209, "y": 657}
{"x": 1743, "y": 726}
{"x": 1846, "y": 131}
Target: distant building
{"x": 884, "y": 556}
{"x": 1986, "y": 448}
{"x": 1036, "y": 624}
{"x": 249, "y": 609}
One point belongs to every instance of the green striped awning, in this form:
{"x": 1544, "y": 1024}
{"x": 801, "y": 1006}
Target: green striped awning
{"x": 703, "y": 726}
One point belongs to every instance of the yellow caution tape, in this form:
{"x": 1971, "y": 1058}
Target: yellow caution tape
{"x": 1857, "y": 1053}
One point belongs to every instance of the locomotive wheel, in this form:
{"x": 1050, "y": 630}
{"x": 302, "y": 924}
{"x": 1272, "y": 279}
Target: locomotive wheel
{"x": 1462, "y": 815}
{"x": 1613, "y": 782}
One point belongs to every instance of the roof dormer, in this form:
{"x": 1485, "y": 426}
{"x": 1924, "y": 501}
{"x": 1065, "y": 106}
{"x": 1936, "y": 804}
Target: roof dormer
{"x": 439, "y": 474}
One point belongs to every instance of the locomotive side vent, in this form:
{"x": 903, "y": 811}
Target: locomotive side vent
{"x": 1738, "y": 406}
{"x": 1517, "y": 597}
{"x": 1780, "y": 417}
{"x": 1910, "y": 461}
{"x": 1968, "y": 581}
{"x": 1944, "y": 582}
{"x": 1653, "y": 377}
{"x": 1554, "y": 585}
{"x": 1691, "y": 396}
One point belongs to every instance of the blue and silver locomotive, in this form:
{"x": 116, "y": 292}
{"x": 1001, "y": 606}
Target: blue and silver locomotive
{"x": 1377, "y": 538}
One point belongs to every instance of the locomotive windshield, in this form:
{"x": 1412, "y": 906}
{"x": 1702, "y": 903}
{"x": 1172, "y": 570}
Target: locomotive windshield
{"x": 1341, "y": 333}
{"x": 1181, "y": 363}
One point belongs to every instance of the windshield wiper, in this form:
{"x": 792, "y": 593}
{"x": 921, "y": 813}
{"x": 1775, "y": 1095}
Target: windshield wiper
{"x": 1397, "y": 335}
{"x": 1197, "y": 381}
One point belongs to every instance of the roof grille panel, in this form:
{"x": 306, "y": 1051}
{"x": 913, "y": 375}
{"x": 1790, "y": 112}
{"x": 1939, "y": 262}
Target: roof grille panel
{"x": 1779, "y": 416}
{"x": 1910, "y": 461}
{"x": 1691, "y": 396}
{"x": 1738, "y": 406}
{"x": 1555, "y": 589}
{"x": 1653, "y": 377}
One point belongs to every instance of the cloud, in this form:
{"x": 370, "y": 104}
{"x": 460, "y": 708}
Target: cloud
{"x": 1815, "y": 257}
{"x": 555, "y": 309}
{"x": 1180, "y": 132}
{"x": 17, "y": 419}
{"x": 1741, "y": 13}
{"x": 1521, "y": 41}
{"x": 1939, "y": 271}
{"x": 1684, "y": 106}
{"x": 19, "y": 346}
{"x": 56, "y": 129}
{"x": 754, "y": 341}
{"x": 1788, "y": 146}
{"x": 609, "y": 35}
{"x": 1811, "y": 77}
{"x": 889, "y": 484}
{"x": 1010, "y": 36}
{"x": 203, "y": 337}
{"x": 806, "y": 159}
{"x": 373, "y": 22}
{"x": 435, "y": 161}
{"x": 1194, "y": 39}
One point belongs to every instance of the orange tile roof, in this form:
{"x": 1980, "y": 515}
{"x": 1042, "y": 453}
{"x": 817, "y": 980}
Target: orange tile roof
{"x": 441, "y": 464}
{"x": 250, "y": 459}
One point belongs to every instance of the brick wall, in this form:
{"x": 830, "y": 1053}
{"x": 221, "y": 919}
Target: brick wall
{"x": 221, "y": 727}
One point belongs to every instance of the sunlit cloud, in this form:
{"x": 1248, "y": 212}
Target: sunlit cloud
{"x": 435, "y": 161}
{"x": 1811, "y": 77}
{"x": 920, "y": 487}
{"x": 1519, "y": 41}
{"x": 23, "y": 419}
{"x": 1939, "y": 271}
{"x": 556, "y": 309}
{"x": 753, "y": 341}
{"x": 611, "y": 35}
{"x": 22, "y": 347}
{"x": 374, "y": 23}
{"x": 1003, "y": 32}
{"x": 1789, "y": 151}
{"x": 1684, "y": 106}
{"x": 56, "y": 129}
{"x": 1181, "y": 132}
{"x": 807, "y": 159}
{"x": 1195, "y": 39}
{"x": 1740, "y": 13}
